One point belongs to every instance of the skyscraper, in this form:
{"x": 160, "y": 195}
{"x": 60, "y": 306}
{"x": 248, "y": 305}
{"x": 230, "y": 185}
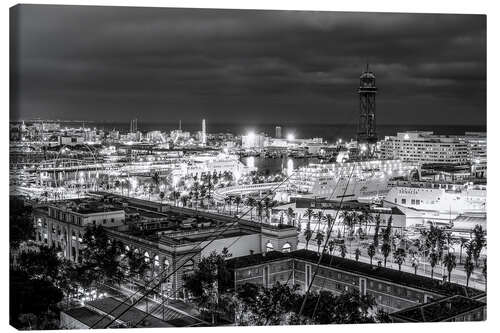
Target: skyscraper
{"x": 133, "y": 125}
{"x": 203, "y": 133}
{"x": 277, "y": 134}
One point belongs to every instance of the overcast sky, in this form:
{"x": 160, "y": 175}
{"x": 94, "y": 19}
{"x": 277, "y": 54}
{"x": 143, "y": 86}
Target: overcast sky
{"x": 116, "y": 63}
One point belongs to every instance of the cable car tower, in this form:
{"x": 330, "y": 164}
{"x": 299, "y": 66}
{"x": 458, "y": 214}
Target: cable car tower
{"x": 367, "y": 134}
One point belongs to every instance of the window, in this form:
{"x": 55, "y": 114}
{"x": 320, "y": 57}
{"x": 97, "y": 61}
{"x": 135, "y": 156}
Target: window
{"x": 166, "y": 264}
{"x": 287, "y": 247}
{"x": 403, "y": 201}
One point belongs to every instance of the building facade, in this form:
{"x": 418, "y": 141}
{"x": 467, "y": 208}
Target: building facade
{"x": 425, "y": 148}
{"x": 172, "y": 240}
{"x": 392, "y": 290}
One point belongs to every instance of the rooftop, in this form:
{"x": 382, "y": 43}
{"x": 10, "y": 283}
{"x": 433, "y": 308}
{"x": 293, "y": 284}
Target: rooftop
{"x": 381, "y": 273}
{"x": 133, "y": 316}
{"x": 440, "y": 310}
{"x": 88, "y": 317}
{"x": 346, "y": 205}
{"x": 86, "y": 206}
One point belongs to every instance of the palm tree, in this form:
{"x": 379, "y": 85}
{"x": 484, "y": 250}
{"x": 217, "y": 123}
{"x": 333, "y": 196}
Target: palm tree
{"x": 433, "y": 260}
{"x": 377, "y": 227}
{"x": 184, "y": 200}
{"x": 308, "y": 234}
{"x": 319, "y": 239}
{"x": 450, "y": 262}
{"x": 386, "y": 250}
{"x": 237, "y": 201}
{"x": 259, "y": 209}
{"x": 290, "y": 215}
{"x": 343, "y": 250}
{"x": 330, "y": 220}
{"x": 469, "y": 268}
{"x": 267, "y": 205}
{"x": 210, "y": 185}
{"x": 479, "y": 240}
{"x": 251, "y": 203}
{"x": 347, "y": 220}
{"x": 368, "y": 218}
{"x": 156, "y": 180}
{"x": 463, "y": 243}
{"x": 357, "y": 254}
{"x": 309, "y": 213}
{"x": 386, "y": 235}
{"x": 116, "y": 183}
{"x": 228, "y": 200}
{"x": 371, "y": 252}
{"x": 319, "y": 217}
{"x": 415, "y": 264}
{"x": 176, "y": 195}
{"x": 331, "y": 247}
{"x": 399, "y": 257}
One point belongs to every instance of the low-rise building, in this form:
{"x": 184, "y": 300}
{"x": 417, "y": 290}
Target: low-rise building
{"x": 392, "y": 290}
{"x": 172, "y": 240}
{"x": 71, "y": 140}
{"x": 426, "y": 148}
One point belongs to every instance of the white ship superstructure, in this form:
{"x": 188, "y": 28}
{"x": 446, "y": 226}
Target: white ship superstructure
{"x": 369, "y": 179}
{"x": 210, "y": 163}
{"x": 451, "y": 199}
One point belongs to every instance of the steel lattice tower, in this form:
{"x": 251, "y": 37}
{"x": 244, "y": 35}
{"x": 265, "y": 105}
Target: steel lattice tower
{"x": 367, "y": 122}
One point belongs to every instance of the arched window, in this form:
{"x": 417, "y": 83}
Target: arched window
{"x": 146, "y": 257}
{"x": 156, "y": 261}
{"x": 287, "y": 248}
{"x": 269, "y": 246}
{"x": 189, "y": 267}
{"x": 166, "y": 264}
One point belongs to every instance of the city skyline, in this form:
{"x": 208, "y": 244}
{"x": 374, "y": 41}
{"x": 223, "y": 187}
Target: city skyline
{"x": 175, "y": 167}
{"x": 205, "y": 63}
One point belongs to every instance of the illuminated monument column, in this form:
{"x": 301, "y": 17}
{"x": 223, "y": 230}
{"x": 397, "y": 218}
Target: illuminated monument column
{"x": 367, "y": 135}
{"x": 203, "y": 133}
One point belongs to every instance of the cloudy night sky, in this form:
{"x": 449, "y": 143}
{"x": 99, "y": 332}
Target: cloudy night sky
{"x": 161, "y": 65}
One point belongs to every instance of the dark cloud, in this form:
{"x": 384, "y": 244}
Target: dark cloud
{"x": 115, "y": 63}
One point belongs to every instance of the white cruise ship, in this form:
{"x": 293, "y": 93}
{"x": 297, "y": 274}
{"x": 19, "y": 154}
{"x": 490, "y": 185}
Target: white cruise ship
{"x": 445, "y": 199}
{"x": 369, "y": 179}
